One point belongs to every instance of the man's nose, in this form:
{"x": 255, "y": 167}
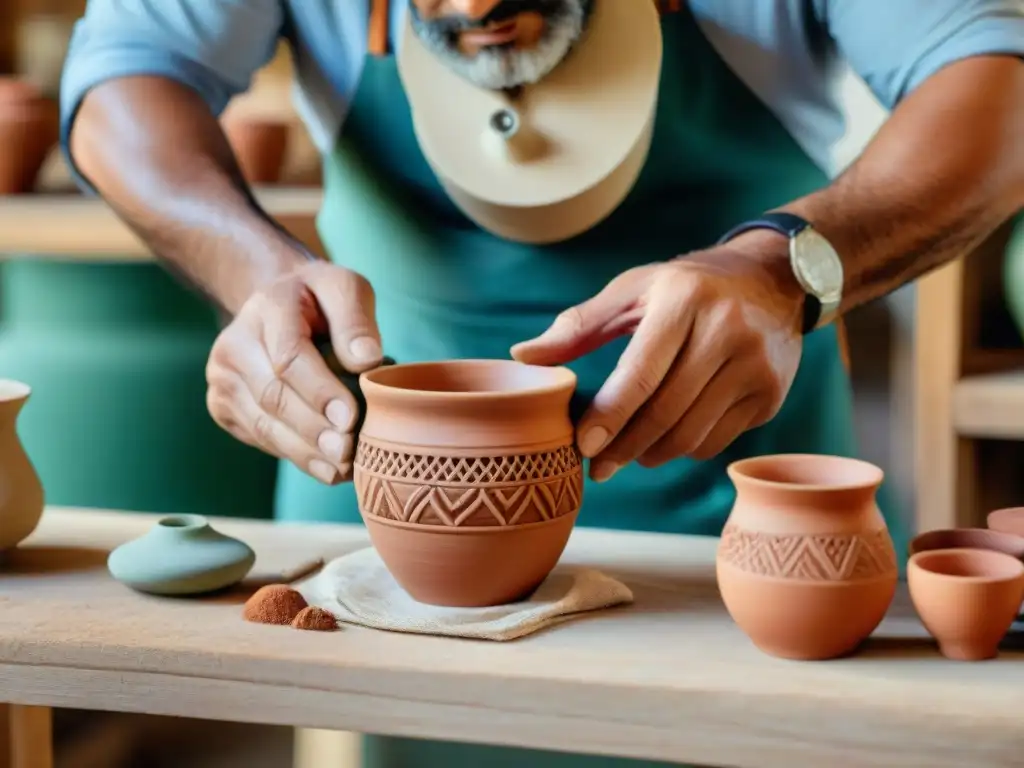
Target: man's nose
{"x": 473, "y": 9}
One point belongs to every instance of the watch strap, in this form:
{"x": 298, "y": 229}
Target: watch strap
{"x": 790, "y": 225}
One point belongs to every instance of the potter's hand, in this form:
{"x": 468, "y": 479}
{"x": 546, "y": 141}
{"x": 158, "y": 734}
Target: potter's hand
{"x": 270, "y": 387}
{"x": 715, "y": 345}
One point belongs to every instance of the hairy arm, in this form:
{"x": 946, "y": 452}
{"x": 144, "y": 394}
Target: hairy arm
{"x": 144, "y": 81}
{"x": 947, "y": 167}
{"x": 942, "y": 174}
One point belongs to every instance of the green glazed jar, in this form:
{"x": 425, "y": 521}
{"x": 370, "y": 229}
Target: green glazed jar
{"x": 115, "y": 355}
{"x": 181, "y": 555}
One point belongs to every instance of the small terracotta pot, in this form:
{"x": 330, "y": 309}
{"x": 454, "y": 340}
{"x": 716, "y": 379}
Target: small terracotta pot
{"x": 969, "y": 538}
{"x": 966, "y": 598}
{"x": 29, "y": 130}
{"x": 806, "y": 566}
{"x": 467, "y": 476}
{"x": 259, "y": 145}
{"x": 1009, "y": 520}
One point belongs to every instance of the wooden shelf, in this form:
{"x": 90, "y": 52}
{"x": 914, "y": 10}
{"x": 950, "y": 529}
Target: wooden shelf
{"x": 990, "y": 406}
{"x": 969, "y": 398}
{"x": 82, "y": 228}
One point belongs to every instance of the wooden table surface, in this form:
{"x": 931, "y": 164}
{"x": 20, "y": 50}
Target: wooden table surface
{"x": 670, "y": 677}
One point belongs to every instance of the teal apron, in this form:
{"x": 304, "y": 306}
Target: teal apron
{"x": 447, "y": 289}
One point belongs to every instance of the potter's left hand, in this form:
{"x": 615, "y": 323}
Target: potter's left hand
{"x": 715, "y": 346}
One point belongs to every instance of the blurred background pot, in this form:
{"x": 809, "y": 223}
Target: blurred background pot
{"x": 260, "y": 145}
{"x": 29, "y": 130}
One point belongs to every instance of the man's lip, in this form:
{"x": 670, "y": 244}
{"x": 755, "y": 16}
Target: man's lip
{"x": 496, "y": 35}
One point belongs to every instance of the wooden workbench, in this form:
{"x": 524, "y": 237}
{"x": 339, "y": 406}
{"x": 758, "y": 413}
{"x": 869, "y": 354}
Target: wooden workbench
{"x": 670, "y": 677}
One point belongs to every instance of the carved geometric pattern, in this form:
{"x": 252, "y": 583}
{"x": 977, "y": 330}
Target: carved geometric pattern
{"x": 807, "y": 557}
{"x": 468, "y": 491}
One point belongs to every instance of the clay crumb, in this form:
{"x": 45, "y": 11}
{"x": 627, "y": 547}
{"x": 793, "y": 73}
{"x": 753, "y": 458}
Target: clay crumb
{"x": 316, "y": 619}
{"x": 273, "y": 604}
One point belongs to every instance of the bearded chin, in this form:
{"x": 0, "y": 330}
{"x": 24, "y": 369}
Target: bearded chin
{"x": 507, "y": 67}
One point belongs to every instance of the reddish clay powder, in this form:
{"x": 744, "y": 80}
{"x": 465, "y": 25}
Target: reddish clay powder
{"x": 273, "y": 604}
{"x": 316, "y": 619}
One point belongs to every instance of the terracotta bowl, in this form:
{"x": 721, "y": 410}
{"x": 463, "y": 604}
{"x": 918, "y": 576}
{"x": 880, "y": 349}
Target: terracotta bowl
{"x": 969, "y": 538}
{"x": 467, "y": 476}
{"x": 966, "y": 598}
{"x": 1009, "y": 520}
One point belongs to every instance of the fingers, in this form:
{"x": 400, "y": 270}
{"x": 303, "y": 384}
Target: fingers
{"x": 269, "y": 385}
{"x": 707, "y": 429}
{"x": 348, "y": 304}
{"x": 695, "y": 367}
{"x": 578, "y": 331}
{"x": 275, "y": 437}
{"x": 287, "y": 371}
{"x": 638, "y": 376}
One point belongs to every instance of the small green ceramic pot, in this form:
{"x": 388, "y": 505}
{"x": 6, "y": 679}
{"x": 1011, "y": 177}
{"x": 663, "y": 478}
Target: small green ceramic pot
{"x": 181, "y": 555}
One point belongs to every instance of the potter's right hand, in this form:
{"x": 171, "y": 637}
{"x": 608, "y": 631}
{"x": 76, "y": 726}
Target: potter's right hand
{"x": 270, "y": 387}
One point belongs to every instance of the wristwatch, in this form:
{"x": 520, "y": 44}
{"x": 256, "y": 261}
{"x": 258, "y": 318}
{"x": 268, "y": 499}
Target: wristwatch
{"x": 815, "y": 263}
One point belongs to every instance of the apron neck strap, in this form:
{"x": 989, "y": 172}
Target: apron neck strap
{"x": 377, "y": 41}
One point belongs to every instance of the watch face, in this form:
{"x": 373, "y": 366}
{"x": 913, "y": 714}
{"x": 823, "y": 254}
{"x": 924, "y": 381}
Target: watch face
{"x": 817, "y": 265}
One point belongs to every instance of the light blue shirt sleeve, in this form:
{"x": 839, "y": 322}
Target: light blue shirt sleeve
{"x": 895, "y": 45}
{"x": 212, "y": 46}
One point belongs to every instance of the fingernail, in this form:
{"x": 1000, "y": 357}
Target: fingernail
{"x": 331, "y": 444}
{"x": 593, "y": 440}
{"x": 365, "y": 348}
{"x": 322, "y": 471}
{"x": 339, "y": 414}
{"x": 603, "y": 470}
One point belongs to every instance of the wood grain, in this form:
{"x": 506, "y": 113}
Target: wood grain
{"x": 670, "y": 677}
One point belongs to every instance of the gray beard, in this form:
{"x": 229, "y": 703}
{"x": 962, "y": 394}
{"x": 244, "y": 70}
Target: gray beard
{"x": 502, "y": 68}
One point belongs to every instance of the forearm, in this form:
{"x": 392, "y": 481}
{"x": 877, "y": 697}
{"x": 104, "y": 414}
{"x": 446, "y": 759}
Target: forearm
{"x": 157, "y": 155}
{"x": 941, "y": 175}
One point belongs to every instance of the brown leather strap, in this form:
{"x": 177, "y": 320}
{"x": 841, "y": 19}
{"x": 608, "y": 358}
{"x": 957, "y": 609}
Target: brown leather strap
{"x": 844, "y": 345}
{"x": 377, "y": 42}
{"x": 669, "y": 6}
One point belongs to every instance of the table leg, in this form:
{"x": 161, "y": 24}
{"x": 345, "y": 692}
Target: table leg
{"x": 315, "y": 748}
{"x": 31, "y": 730}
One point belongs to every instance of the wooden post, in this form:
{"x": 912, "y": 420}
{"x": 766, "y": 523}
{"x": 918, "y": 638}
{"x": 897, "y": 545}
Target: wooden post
{"x": 31, "y": 737}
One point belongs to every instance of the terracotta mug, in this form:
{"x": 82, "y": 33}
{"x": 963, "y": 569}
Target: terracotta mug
{"x": 467, "y": 475}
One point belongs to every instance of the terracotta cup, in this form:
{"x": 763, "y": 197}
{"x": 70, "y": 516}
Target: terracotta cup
{"x": 966, "y": 598}
{"x": 467, "y": 476}
{"x": 1008, "y": 520}
{"x": 805, "y": 565}
{"x": 29, "y": 130}
{"x": 969, "y": 538}
{"x": 260, "y": 145}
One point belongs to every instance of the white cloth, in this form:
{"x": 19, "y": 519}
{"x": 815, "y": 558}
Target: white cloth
{"x": 358, "y": 589}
